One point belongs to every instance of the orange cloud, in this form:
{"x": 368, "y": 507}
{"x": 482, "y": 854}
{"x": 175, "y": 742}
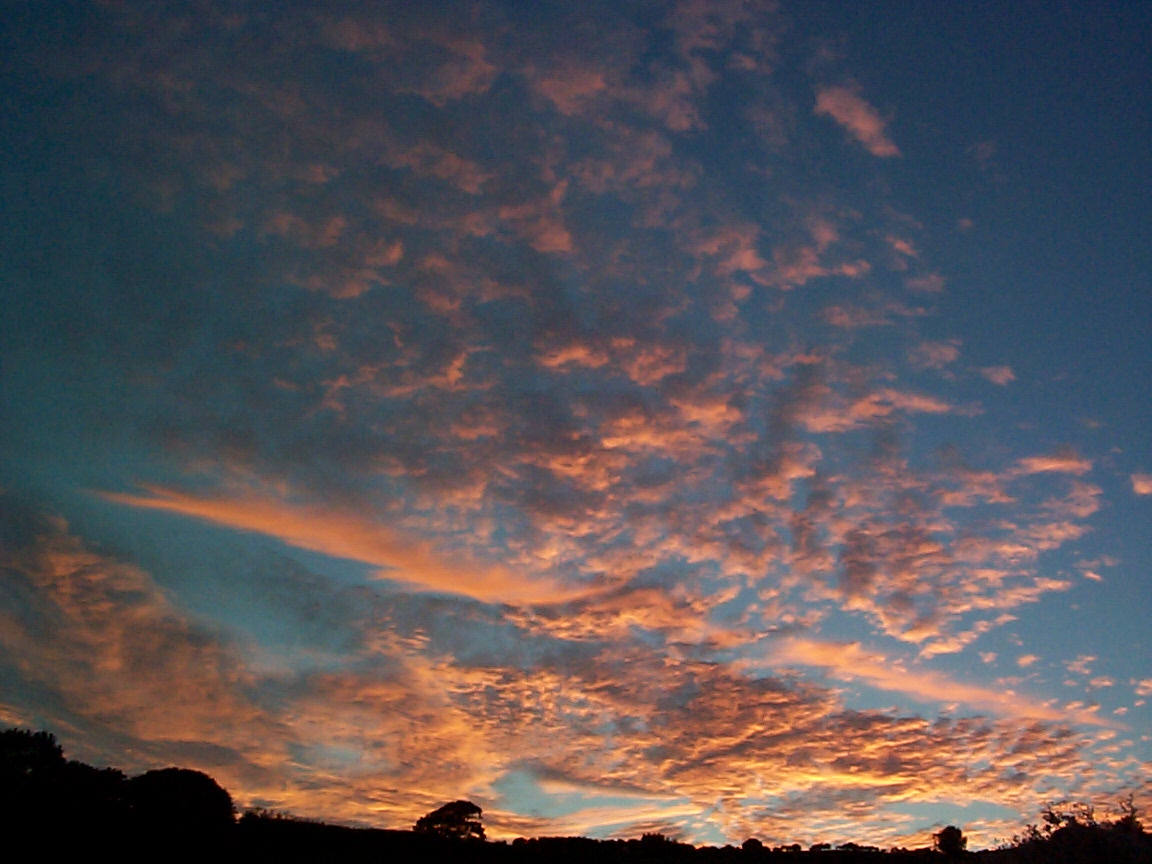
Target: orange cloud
{"x": 343, "y": 534}
{"x": 846, "y": 107}
{"x": 849, "y": 661}
{"x": 826, "y": 411}
{"x": 1063, "y": 464}
{"x": 1142, "y": 484}
{"x": 118, "y": 655}
{"x": 574, "y": 354}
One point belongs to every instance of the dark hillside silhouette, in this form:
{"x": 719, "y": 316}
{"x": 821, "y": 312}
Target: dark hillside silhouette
{"x": 64, "y": 806}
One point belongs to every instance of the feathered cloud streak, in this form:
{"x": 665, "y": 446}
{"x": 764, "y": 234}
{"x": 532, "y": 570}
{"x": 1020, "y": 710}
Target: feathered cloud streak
{"x": 347, "y": 535}
{"x": 860, "y": 119}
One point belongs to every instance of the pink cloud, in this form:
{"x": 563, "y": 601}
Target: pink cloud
{"x": 1142, "y": 484}
{"x": 540, "y": 222}
{"x": 931, "y": 283}
{"x": 466, "y": 72}
{"x": 852, "y": 317}
{"x": 903, "y": 246}
{"x": 570, "y": 89}
{"x": 1001, "y": 375}
{"x": 846, "y": 107}
{"x": 935, "y": 355}
{"x": 310, "y": 235}
{"x": 1082, "y": 665}
{"x": 1061, "y": 464}
{"x": 734, "y": 247}
{"x": 427, "y": 159}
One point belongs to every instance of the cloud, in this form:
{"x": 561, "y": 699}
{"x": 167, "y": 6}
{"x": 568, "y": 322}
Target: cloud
{"x": 1001, "y": 375}
{"x": 1142, "y": 484}
{"x": 849, "y": 661}
{"x": 934, "y": 355}
{"x": 409, "y": 720}
{"x": 1082, "y": 665}
{"x": 854, "y": 317}
{"x": 344, "y": 534}
{"x": 827, "y": 411}
{"x": 434, "y": 161}
{"x": 850, "y": 110}
{"x": 95, "y": 644}
{"x": 930, "y": 283}
{"x": 570, "y": 89}
{"x": 494, "y": 284}
{"x": 1061, "y": 464}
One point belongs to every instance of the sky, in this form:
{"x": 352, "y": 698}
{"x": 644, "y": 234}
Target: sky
{"x": 718, "y": 418}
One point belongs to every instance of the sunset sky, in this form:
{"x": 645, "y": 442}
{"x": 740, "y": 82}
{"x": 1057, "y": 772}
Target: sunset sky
{"x": 718, "y": 418}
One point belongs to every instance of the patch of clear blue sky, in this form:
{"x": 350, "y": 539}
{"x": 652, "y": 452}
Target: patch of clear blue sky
{"x": 1033, "y": 120}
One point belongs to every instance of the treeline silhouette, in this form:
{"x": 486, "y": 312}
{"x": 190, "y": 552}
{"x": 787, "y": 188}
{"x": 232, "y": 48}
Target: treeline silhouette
{"x": 68, "y": 807}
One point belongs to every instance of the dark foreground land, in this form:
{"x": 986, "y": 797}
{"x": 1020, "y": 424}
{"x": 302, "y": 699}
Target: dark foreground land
{"x": 282, "y": 838}
{"x": 54, "y": 807}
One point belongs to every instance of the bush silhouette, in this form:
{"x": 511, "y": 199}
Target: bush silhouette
{"x": 459, "y": 820}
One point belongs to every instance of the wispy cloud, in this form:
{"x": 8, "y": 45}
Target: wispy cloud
{"x": 1001, "y": 375}
{"x": 344, "y": 534}
{"x": 847, "y": 107}
{"x": 935, "y": 355}
{"x": 849, "y": 661}
{"x": 1062, "y": 464}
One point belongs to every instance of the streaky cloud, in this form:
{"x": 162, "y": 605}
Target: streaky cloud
{"x": 850, "y": 661}
{"x": 847, "y": 107}
{"x": 344, "y": 534}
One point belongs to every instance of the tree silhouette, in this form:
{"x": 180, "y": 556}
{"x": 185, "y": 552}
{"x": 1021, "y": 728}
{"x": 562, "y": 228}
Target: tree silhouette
{"x": 950, "y": 840}
{"x": 459, "y": 820}
{"x": 180, "y": 799}
{"x": 23, "y": 752}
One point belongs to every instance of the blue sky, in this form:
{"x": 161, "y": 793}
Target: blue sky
{"x": 727, "y": 419}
